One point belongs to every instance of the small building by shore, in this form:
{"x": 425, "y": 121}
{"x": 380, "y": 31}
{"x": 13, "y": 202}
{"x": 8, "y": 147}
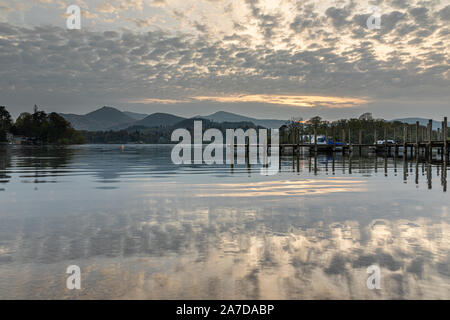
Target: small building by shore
{"x": 19, "y": 140}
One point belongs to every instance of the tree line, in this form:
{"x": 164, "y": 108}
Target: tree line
{"x": 131, "y": 135}
{"x": 350, "y": 130}
{"x": 39, "y": 128}
{"x": 161, "y": 134}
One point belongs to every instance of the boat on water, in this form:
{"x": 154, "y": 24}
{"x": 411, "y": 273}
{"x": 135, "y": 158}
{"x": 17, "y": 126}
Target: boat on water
{"x": 324, "y": 143}
{"x": 381, "y": 143}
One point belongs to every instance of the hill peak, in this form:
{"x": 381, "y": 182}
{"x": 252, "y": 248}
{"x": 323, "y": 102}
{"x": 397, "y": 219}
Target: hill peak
{"x": 105, "y": 109}
{"x": 223, "y": 113}
{"x": 100, "y": 119}
{"x": 159, "y": 119}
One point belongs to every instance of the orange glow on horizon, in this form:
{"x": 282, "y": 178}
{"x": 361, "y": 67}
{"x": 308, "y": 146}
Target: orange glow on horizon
{"x": 302, "y": 101}
{"x": 289, "y": 100}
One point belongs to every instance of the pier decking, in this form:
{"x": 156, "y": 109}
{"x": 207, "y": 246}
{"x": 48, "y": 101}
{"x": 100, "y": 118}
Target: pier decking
{"x": 423, "y": 142}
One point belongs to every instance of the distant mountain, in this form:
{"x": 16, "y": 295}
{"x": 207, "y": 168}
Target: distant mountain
{"x": 109, "y": 115}
{"x": 109, "y": 118}
{"x": 101, "y": 119}
{"x": 158, "y": 120}
{"x": 422, "y": 121}
{"x": 222, "y": 116}
{"x": 79, "y": 122}
{"x": 135, "y": 116}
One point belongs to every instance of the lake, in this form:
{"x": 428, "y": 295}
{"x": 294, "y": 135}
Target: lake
{"x": 140, "y": 227}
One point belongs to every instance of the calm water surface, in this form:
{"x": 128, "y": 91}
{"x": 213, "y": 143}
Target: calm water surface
{"x": 142, "y": 228}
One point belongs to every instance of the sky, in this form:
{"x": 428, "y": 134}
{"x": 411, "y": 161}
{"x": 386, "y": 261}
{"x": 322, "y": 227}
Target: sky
{"x": 260, "y": 58}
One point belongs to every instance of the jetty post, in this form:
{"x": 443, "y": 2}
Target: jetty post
{"x": 344, "y": 143}
{"x": 360, "y": 142}
{"x": 230, "y": 154}
{"x": 405, "y": 140}
{"x": 441, "y": 138}
{"x": 395, "y": 143}
{"x": 445, "y": 154}
{"x": 333, "y": 137}
{"x": 385, "y": 138}
{"x": 315, "y": 138}
{"x": 445, "y": 135}
{"x": 417, "y": 138}
{"x": 430, "y": 136}
{"x": 293, "y": 148}
{"x": 410, "y": 137}
{"x": 247, "y": 151}
{"x": 424, "y": 137}
{"x": 375, "y": 138}
{"x": 350, "y": 148}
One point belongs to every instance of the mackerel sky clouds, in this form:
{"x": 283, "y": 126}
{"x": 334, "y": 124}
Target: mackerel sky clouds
{"x": 262, "y": 58}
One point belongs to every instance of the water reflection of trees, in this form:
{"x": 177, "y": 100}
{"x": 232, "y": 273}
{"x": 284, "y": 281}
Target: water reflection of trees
{"x": 41, "y": 164}
{"x": 109, "y": 164}
{"x": 46, "y": 157}
{"x": 5, "y": 163}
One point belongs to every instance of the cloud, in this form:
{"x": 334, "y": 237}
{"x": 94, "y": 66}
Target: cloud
{"x": 260, "y": 52}
{"x": 338, "y": 16}
{"x": 444, "y": 14}
{"x": 157, "y": 3}
{"x": 145, "y": 22}
{"x": 267, "y": 23}
{"x": 420, "y": 14}
{"x": 289, "y": 100}
{"x": 159, "y": 101}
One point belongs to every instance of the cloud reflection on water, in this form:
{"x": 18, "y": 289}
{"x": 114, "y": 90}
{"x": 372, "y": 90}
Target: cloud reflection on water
{"x": 209, "y": 236}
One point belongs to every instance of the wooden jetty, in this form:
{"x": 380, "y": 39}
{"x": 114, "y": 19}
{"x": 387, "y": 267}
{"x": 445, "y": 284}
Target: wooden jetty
{"x": 424, "y": 142}
{"x": 417, "y": 143}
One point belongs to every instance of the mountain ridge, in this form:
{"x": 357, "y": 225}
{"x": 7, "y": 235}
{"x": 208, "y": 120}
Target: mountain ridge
{"x": 98, "y": 120}
{"x": 135, "y": 115}
{"x": 159, "y": 119}
{"x": 109, "y": 118}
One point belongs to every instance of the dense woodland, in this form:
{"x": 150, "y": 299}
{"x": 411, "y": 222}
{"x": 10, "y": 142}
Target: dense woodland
{"x": 39, "y": 128}
{"x": 131, "y": 135}
{"x": 6, "y": 123}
